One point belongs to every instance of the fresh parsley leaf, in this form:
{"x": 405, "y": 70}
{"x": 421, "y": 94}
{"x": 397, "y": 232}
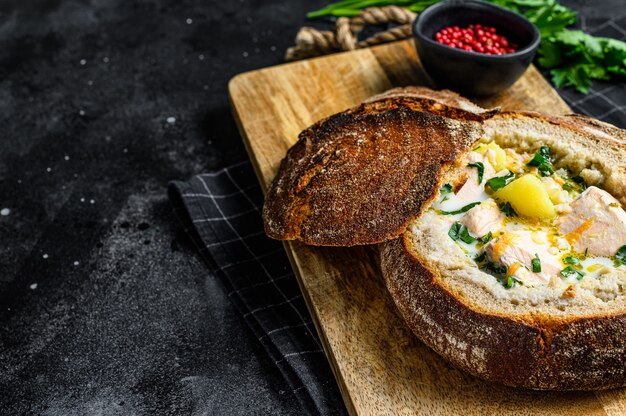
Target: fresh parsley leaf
{"x": 576, "y": 58}
{"x": 459, "y": 232}
{"x": 508, "y": 210}
{"x": 549, "y": 16}
{"x": 620, "y": 256}
{"x": 571, "y": 260}
{"x": 486, "y": 238}
{"x": 536, "y": 264}
{"x": 481, "y": 170}
{"x": 541, "y": 160}
{"x": 462, "y": 210}
{"x": 500, "y": 181}
{"x": 570, "y": 271}
{"x": 577, "y": 76}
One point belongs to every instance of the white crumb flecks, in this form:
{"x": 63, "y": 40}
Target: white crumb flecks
{"x": 189, "y": 21}
{"x": 5, "y": 211}
{"x": 171, "y": 120}
{"x": 76, "y": 263}
{"x": 33, "y": 286}
{"x": 472, "y": 356}
{"x": 45, "y": 256}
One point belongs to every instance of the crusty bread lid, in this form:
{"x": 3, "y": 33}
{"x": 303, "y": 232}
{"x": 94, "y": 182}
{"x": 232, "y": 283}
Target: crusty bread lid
{"x": 359, "y": 176}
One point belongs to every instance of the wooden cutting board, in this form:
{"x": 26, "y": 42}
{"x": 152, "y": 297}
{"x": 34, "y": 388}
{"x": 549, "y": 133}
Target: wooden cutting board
{"x": 380, "y": 366}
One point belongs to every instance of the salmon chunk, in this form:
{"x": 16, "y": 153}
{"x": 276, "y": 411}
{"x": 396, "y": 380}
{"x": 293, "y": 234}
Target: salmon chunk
{"x": 470, "y": 190}
{"x": 596, "y": 223}
{"x": 483, "y": 218}
{"x": 516, "y": 250}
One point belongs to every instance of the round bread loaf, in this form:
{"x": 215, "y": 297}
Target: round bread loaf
{"x": 533, "y": 337}
{"x": 370, "y": 174}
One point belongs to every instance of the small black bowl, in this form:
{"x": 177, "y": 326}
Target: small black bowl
{"x": 473, "y": 73}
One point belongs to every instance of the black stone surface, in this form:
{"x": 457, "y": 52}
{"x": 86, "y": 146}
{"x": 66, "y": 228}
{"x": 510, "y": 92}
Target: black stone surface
{"x": 104, "y": 307}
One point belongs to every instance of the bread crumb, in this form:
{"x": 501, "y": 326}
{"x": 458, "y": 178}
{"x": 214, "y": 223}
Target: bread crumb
{"x": 570, "y": 292}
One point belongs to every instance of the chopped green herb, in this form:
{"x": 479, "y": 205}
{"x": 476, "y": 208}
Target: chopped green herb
{"x": 536, "y": 263}
{"x": 542, "y": 161}
{"x": 508, "y": 210}
{"x": 455, "y": 230}
{"x": 480, "y": 258}
{"x": 571, "y": 260}
{"x": 481, "y": 170}
{"x": 496, "y": 268}
{"x": 509, "y": 281}
{"x": 579, "y": 180}
{"x": 500, "y": 181}
{"x": 459, "y": 232}
{"x": 620, "y": 256}
{"x": 570, "y": 271}
{"x": 568, "y": 187}
{"x": 462, "y": 210}
{"x": 446, "y": 190}
{"x": 486, "y": 238}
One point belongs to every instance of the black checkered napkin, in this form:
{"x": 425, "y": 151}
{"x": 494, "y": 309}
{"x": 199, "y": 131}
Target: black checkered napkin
{"x": 221, "y": 211}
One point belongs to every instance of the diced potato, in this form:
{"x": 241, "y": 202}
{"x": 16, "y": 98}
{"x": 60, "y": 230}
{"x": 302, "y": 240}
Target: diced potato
{"x": 495, "y": 154}
{"x": 528, "y": 197}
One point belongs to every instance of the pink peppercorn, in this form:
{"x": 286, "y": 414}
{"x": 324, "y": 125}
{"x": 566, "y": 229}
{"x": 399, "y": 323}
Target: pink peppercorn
{"x": 475, "y": 38}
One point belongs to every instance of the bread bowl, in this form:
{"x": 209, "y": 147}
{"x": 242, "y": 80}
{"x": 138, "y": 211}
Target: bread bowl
{"x": 532, "y": 335}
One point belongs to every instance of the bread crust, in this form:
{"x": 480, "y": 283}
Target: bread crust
{"x": 536, "y": 352}
{"x": 334, "y": 187}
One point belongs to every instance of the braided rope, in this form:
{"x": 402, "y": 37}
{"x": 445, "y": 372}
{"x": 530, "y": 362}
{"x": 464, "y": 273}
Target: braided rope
{"x": 311, "y": 42}
{"x": 391, "y": 35}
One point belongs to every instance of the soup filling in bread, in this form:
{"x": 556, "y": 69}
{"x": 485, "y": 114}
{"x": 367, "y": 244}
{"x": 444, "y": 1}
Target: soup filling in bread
{"x": 527, "y": 223}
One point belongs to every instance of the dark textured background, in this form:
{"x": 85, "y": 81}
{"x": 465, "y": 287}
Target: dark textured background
{"x": 104, "y": 307}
